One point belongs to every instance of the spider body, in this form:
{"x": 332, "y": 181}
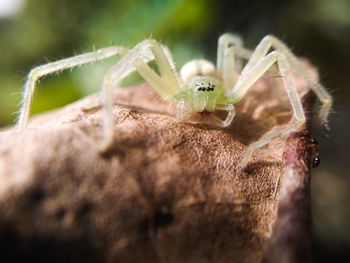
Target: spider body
{"x": 200, "y": 87}
{"x": 203, "y": 93}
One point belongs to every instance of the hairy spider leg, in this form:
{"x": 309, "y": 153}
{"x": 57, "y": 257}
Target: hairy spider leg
{"x": 230, "y": 115}
{"x": 36, "y": 73}
{"x": 258, "y": 64}
{"x": 167, "y": 84}
{"x": 322, "y": 94}
{"x": 230, "y": 47}
{"x": 316, "y": 86}
{"x": 183, "y": 115}
{"x": 142, "y": 53}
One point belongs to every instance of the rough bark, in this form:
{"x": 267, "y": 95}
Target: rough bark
{"x": 168, "y": 191}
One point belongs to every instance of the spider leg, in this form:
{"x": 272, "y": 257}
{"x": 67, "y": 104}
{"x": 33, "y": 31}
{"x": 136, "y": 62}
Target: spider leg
{"x": 167, "y": 84}
{"x": 36, "y": 73}
{"x": 271, "y": 41}
{"x": 230, "y": 115}
{"x": 247, "y": 79}
{"x": 181, "y": 113}
{"x": 230, "y": 48}
{"x": 315, "y": 85}
{"x": 267, "y": 138}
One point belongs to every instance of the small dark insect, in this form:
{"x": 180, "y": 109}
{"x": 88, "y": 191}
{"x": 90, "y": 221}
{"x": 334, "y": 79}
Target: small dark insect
{"x": 315, "y": 161}
{"x": 314, "y": 141}
{"x": 314, "y": 152}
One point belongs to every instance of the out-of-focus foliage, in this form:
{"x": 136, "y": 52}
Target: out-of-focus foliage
{"x": 46, "y": 30}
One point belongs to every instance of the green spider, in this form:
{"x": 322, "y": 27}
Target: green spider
{"x": 201, "y": 87}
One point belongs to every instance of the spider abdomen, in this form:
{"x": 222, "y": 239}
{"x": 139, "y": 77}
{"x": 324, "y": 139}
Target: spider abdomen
{"x": 197, "y": 67}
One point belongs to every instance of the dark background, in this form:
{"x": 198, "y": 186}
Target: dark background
{"x": 46, "y": 30}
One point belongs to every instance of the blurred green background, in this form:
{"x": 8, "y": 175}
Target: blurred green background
{"x": 33, "y": 32}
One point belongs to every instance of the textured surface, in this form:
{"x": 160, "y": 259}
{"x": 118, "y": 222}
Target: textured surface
{"x": 167, "y": 192}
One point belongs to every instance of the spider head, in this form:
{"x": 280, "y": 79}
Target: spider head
{"x": 202, "y": 93}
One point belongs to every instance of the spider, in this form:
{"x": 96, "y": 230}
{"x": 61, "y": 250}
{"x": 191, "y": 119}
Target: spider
{"x": 200, "y": 87}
